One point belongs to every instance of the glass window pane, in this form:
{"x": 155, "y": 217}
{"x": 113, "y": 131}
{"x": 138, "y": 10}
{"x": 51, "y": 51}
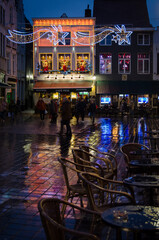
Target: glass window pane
{"x": 146, "y": 66}
{"x": 147, "y": 39}
{"x": 140, "y": 66}
{"x": 140, "y": 39}
{"x": 127, "y": 66}
{"x": 121, "y": 66}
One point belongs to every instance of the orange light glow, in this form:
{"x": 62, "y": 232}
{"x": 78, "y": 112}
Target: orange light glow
{"x": 64, "y": 22}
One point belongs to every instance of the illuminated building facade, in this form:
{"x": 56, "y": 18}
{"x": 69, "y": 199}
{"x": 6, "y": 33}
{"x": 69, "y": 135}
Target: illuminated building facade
{"x": 61, "y": 65}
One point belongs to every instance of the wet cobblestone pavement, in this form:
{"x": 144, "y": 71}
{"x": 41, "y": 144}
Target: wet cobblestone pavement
{"x": 29, "y": 169}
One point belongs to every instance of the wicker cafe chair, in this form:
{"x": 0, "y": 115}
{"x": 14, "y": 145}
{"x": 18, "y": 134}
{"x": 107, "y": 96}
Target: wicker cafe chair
{"x": 103, "y": 165}
{"x": 75, "y": 224}
{"x": 126, "y": 149}
{"x": 76, "y": 189}
{"x": 98, "y": 153}
{"x": 108, "y": 192}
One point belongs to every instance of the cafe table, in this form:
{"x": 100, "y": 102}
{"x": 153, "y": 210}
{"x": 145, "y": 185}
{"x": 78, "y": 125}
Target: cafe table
{"x": 142, "y": 153}
{"x": 135, "y": 218}
{"x": 150, "y": 182}
{"x": 148, "y": 165}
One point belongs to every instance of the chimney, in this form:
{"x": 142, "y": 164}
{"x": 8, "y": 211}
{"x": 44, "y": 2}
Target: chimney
{"x": 88, "y": 12}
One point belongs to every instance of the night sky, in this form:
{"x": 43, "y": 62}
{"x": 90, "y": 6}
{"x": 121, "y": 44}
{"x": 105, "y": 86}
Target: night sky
{"x": 74, "y": 8}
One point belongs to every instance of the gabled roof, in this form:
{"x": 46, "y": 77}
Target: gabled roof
{"x": 128, "y": 12}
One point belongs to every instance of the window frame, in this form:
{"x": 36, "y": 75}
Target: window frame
{"x": 105, "y": 41}
{"x": 144, "y": 59}
{"x": 143, "y": 39}
{"x": 64, "y": 59}
{"x": 45, "y": 60}
{"x": 119, "y": 59}
{"x": 81, "y": 53}
{"x": 107, "y": 73}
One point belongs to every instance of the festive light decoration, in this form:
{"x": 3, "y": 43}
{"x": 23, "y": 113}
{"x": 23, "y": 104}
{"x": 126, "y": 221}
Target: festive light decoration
{"x": 122, "y": 36}
{"x": 56, "y": 35}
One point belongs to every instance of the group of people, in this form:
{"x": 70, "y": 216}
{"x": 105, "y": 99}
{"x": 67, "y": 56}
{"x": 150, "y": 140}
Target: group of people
{"x": 66, "y": 111}
{"x": 43, "y": 109}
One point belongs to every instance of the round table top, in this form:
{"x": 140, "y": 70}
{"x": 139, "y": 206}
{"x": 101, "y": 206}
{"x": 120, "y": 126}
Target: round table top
{"x": 146, "y": 162}
{"x": 135, "y": 217}
{"x": 143, "y": 180}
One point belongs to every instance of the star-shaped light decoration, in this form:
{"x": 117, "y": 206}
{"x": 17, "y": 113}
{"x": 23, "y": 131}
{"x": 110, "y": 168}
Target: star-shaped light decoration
{"x": 122, "y": 36}
{"x": 61, "y": 35}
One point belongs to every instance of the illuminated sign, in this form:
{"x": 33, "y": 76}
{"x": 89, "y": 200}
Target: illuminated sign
{"x": 119, "y": 35}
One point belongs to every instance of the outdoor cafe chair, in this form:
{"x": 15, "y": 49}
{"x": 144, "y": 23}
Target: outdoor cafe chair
{"x": 76, "y": 189}
{"x": 126, "y": 149}
{"x": 105, "y": 193}
{"x": 98, "y": 153}
{"x": 104, "y": 165}
{"x": 76, "y": 223}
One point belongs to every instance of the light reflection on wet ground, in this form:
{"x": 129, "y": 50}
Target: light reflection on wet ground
{"x": 29, "y": 169}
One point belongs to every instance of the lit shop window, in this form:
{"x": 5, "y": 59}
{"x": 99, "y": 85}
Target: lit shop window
{"x": 143, "y": 39}
{"x": 124, "y": 63}
{"x": 64, "y": 38}
{"x": 105, "y": 61}
{"x": 64, "y": 62}
{"x": 46, "y": 62}
{"x": 143, "y": 63}
{"x": 106, "y": 41}
{"x": 82, "y": 62}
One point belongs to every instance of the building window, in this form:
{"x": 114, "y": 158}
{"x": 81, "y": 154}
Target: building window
{"x": 45, "y": 39}
{"x": 8, "y": 63}
{"x": 2, "y": 45}
{"x": 2, "y": 15}
{"x": 124, "y": 63}
{"x": 84, "y": 38}
{"x": 106, "y": 41}
{"x": 143, "y": 63}
{"x": 105, "y": 63}
{"x": 46, "y": 62}
{"x": 82, "y": 62}
{"x": 66, "y": 39}
{"x": 143, "y": 39}
{"x": 64, "y": 62}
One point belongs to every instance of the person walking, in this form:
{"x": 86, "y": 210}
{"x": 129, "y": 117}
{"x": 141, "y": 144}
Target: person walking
{"x": 66, "y": 116}
{"x": 41, "y": 106}
{"x": 53, "y": 110}
{"x": 92, "y": 110}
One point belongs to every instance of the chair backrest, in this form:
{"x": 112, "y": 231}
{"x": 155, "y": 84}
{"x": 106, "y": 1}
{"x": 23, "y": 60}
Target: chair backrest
{"x": 103, "y": 164}
{"x": 126, "y": 149}
{"x": 67, "y": 164}
{"x": 51, "y": 219}
{"x": 98, "y": 153}
{"x": 54, "y": 225}
{"x": 103, "y": 193}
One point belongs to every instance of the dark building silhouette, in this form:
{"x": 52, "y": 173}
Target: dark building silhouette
{"x": 130, "y": 12}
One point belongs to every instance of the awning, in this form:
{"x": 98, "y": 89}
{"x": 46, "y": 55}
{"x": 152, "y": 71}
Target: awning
{"x": 4, "y": 85}
{"x": 128, "y": 87}
{"x": 62, "y": 87}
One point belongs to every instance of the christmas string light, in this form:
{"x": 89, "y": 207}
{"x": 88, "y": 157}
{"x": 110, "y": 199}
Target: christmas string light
{"x": 119, "y": 35}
